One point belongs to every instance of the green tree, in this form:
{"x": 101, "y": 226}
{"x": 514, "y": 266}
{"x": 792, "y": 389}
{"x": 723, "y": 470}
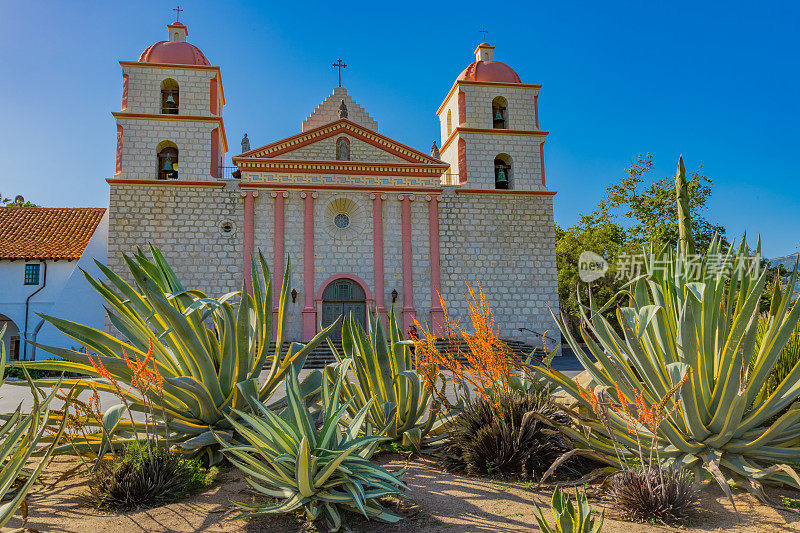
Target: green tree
{"x": 636, "y": 211}
{"x": 648, "y": 210}
{"x": 5, "y": 202}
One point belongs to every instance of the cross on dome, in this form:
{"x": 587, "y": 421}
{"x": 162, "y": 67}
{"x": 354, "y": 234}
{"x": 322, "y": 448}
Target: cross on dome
{"x": 178, "y": 12}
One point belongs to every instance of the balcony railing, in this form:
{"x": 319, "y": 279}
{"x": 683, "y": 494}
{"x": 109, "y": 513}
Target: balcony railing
{"x": 227, "y": 173}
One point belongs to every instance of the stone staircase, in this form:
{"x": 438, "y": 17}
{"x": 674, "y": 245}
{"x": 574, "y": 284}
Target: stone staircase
{"x": 322, "y": 355}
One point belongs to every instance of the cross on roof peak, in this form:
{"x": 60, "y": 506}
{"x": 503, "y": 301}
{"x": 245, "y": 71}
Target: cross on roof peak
{"x": 340, "y": 65}
{"x": 178, "y": 12}
{"x": 484, "y": 31}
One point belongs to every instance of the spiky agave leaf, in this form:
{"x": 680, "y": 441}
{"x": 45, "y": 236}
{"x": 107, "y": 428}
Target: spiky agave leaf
{"x": 19, "y": 436}
{"x": 204, "y": 347}
{"x": 384, "y": 369}
{"x": 697, "y": 316}
{"x": 323, "y": 470}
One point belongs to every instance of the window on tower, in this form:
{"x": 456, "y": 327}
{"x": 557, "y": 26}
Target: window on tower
{"x": 170, "y": 97}
{"x": 167, "y": 168}
{"x": 502, "y": 171}
{"x": 499, "y": 113}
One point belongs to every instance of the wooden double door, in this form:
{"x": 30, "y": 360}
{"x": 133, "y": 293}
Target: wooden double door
{"x": 343, "y": 297}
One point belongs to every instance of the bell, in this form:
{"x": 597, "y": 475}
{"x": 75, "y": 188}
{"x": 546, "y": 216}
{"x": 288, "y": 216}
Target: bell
{"x": 498, "y": 115}
{"x": 502, "y": 177}
{"x": 170, "y": 99}
{"x": 167, "y": 165}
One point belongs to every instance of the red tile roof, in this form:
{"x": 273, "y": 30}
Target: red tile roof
{"x": 46, "y": 232}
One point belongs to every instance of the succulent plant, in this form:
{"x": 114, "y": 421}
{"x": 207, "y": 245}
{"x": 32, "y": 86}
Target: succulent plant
{"x": 384, "y": 372}
{"x": 19, "y": 436}
{"x": 202, "y": 346}
{"x": 569, "y": 518}
{"x": 320, "y": 466}
{"x": 694, "y": 318}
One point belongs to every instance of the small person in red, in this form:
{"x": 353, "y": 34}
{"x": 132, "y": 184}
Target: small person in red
{"x": 412, "y": 333}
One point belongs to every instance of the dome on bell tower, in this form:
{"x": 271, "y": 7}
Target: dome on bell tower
{"x": 175, "y": 51}
{"x": 485, "y": 68}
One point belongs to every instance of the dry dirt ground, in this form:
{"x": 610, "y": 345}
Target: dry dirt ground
{"x": 442, "y": 503}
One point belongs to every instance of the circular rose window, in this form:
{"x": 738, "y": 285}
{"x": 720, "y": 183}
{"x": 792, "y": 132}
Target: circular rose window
{"x": 341, "y": 221}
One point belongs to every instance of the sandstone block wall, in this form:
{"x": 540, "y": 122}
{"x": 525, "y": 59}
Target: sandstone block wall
{"x": 507, "y": 243}
{"x": 185, "y": 223}
{"x": 524, "y": 150}
{"x": 144, "y": 89}
{"x": 140, "y": 140}
{"x": 326, "y": 150}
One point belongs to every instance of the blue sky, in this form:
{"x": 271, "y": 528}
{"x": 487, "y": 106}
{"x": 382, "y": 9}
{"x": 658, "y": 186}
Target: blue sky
{"x": 717, "y": 82}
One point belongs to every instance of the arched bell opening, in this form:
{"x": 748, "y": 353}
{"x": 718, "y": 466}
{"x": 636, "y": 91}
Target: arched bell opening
{"x": 503, "y": 177}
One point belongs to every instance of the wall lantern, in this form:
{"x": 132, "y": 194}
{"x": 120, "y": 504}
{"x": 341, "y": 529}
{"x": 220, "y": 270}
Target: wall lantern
{"x": 294, "y": 296}
{"x": 394, "y": 295}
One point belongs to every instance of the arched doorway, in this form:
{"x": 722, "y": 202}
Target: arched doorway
{"x": 11, "y": 338}
{"x": 343, "y": 296}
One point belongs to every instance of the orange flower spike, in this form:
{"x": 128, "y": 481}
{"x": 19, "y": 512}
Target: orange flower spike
{"x": 128, "y": 362}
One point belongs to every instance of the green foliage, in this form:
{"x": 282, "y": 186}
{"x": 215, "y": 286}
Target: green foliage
{"x": 508, "y": 437}
{"x": 203, "y": 347}
{"x": 385, "y": 376}
{"x": 9, "y": 202}
{"x": 19, "y": 436}
{"x": 696, "y": 320}
{"x": 309, "y": 464}
{"x": 636, "y": 211}
{"x": 785, "y": 363}
{"x": 569, "y": 518}
{"x": 147, "y": 478}
{"x": 606, "y": 239}
{"x": 662, "y": 495}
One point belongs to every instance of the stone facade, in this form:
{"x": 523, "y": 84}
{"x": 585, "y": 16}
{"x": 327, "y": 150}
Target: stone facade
{"x": 186, "y": 223}
{"x": 206, "y": 226}
{"x": 141, "y": 138}
{"x": 506, "y": 242}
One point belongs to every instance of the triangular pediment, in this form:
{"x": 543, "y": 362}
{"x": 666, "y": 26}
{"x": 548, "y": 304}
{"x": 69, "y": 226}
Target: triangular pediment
{"x": 319, "y": 144}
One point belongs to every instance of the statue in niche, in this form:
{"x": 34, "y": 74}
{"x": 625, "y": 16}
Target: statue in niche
{"x": 342, "y": 110}
{"x": 342, "y": 150}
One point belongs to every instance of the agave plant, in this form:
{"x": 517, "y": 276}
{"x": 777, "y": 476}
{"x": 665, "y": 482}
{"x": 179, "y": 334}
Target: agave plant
{"x": 202, "y": 346}
{"x": 19, "y": 436}
{"x": 693, "y": 321}
{"x": 321, "y": 469}
{"x": 567, "y": 518}
{"x": 385, "y": 377}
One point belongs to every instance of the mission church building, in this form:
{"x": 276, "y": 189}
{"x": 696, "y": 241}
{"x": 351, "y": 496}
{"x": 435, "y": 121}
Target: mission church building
{"x": 367, "y": 221}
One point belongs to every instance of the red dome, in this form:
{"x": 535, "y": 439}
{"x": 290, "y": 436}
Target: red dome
{"x": 180, "y": 53}
{"x": 490, "y": 71}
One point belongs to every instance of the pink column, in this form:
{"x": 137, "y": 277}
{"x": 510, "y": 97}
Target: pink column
{"x": 249, "y": 236}
{"x": 309, "y": 313}
{"x": 437, "y": 313}
{"x": 278, "y": 255}
{"x": 541, "y": 161}
{"x": 408, "y": 281}
{"x": 377, "y": 250}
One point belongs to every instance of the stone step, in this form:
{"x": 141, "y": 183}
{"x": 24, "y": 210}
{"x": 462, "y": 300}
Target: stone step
{"x": 322, "y": 355}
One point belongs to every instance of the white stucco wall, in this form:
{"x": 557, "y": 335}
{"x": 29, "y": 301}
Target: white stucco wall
{"x": 64, "y": 293}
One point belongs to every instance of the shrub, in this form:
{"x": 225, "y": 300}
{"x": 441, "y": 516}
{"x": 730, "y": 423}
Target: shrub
{"x": 145, "y": 478}
{"x": 664, "y": 495}
{"x": 691, "y": 324}
{"x": 475, "y": 359}
{"x": 309, "y": 464}
{"x": 384, "y": 370}
{"x": 568, "y": 518}
{"x": 203, "y": 347}
{"x": 506, "y": 437}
